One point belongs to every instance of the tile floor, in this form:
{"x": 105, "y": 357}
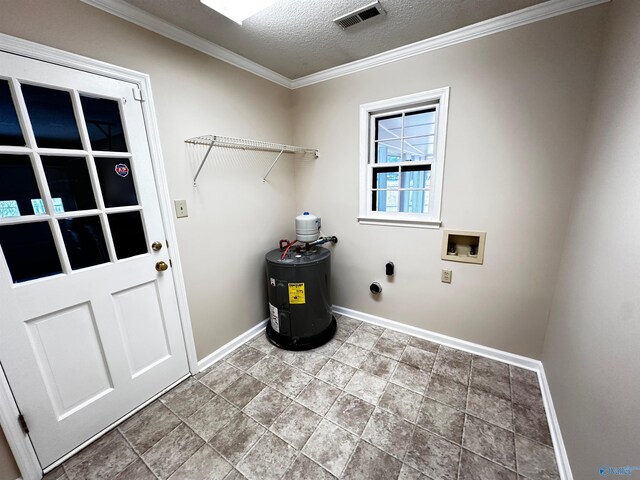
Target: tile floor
{"x": 371, "y": 404}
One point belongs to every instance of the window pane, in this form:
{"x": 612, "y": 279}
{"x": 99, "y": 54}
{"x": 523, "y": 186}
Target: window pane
{"x": 128, "y": 234}
{"x": 418, "y": 149}
{"x": 388, "y": 127}
{"x": 386, "y": 178}
{"x": 414, "y": 201}
{"x": 68, "y": 179}
{"x": 416, "y": 178}
{"x": 385, "y": 200}
{"x": 388, "y": 151}
{"x": 52, "y": 117}
{"x": 419, "y": 123}
{"x": 29, "y": 251}
{"x": 84, "y": 241}
{"x": 10, "y": 132}
{"x": 18, "y": 185}
{"x": 116, "y": 181}
{"x": 104, "y": 124}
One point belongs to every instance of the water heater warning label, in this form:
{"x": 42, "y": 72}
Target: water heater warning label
{"x": 296, "y": 293}
{"x": 275, "y": 320}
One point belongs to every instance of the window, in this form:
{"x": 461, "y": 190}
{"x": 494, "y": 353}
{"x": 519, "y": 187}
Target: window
{"x": 402, "y": 144}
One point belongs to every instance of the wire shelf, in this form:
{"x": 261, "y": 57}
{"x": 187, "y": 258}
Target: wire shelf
{"x": 244, "y": 144}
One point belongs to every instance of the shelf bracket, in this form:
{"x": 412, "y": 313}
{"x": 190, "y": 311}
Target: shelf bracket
{"x": 202, "y": 162}
{"x": 264, "y": 179}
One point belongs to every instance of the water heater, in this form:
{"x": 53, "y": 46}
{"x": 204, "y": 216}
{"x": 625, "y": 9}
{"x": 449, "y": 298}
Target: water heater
{"x": 298, "y": 282}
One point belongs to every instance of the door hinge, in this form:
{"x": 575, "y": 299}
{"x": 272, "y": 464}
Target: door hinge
{"x": 138, "y": 95}
{"x": 23, "y": 424}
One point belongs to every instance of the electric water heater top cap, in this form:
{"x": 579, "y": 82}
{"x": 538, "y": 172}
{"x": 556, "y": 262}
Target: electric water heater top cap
{"x": 307, "y": 228}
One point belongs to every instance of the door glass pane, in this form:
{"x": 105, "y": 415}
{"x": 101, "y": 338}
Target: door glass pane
{"x": 52, "y": 117}
{"x": 10, "y": 132}
{"x": 68, "y": 179}
{"x": 38, "y": 206}
{"x": 29, "y": 251}
{"x": 128, "y": 234}
{"x": 104, "y": 124}
{"x": 17, "y": 186}
{"x": 84, "y": 241}
{"x": 116, "y": 181}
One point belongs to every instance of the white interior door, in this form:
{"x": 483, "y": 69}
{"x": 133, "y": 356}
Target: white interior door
{"x": 89, "y": 329}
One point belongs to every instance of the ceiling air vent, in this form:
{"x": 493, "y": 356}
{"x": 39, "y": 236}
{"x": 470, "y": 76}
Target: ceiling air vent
{"x": 360, "y": 15}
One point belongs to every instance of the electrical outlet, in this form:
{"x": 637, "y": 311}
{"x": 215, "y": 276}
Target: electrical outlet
{"x": 445, "y": 276}
{"x": 181, "y": 208}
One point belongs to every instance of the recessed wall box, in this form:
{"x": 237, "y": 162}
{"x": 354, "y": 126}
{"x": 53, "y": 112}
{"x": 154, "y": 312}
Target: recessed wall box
{"x": 460, "y": 246}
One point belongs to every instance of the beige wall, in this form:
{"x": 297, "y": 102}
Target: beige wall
{"x": 518, "y": 108}
{"x": 591, "y": 354}
{"x": 194, "y": 95}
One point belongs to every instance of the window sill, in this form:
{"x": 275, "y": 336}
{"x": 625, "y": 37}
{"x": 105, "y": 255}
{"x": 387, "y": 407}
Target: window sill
{"x": 400, "y": 222}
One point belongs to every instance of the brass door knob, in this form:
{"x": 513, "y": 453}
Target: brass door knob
{"x": 161, "y": 266}
{"x": 156, "y": 246}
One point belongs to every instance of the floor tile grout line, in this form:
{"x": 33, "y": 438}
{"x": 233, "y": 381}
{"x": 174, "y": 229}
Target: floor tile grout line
{"x": 246, "y": 454}
{"x": 533, "y": 440}
{"x": 324, "y": 417}
{"x": 466, "y": 408}
{"x": 360, "y": 438}
{"x": 64, "y": 469}
{"x": 422, "y": 399}
{"x": 490, "y": 460}
{"x": 140, "y": 455}
{"x": 204, "y": 442}
{"x": 513, "y": 419}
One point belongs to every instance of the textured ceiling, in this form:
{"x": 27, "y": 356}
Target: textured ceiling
{"x": 298, "y": 37}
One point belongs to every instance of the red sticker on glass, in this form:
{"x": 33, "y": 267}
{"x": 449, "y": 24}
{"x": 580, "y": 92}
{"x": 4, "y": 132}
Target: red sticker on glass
{"x": 122, "y": 170}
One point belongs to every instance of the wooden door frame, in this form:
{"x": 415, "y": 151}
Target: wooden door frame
{"x": 19, "y": 442}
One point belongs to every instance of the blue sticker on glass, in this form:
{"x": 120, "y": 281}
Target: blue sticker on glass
{"x": 122, "y": 170}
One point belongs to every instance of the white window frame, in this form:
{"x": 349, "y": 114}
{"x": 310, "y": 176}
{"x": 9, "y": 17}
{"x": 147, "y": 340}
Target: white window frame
{"x": 368, "y": 113}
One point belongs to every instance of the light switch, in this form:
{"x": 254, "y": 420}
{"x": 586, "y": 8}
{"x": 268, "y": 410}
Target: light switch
{"x": 181, "y": 208}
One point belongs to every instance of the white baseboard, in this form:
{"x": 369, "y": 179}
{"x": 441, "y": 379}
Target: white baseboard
{"x": 506, "y": 357}
{"x": 227, "y": 348}
{"x": 556, "y": 436}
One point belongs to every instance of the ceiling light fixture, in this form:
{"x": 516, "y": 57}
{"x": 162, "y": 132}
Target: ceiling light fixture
{"x": 238, "y": 10}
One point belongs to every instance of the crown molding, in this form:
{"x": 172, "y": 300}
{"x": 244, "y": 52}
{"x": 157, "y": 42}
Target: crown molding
{"x": 542, "y": 11}
{"x": 151, "y": 22}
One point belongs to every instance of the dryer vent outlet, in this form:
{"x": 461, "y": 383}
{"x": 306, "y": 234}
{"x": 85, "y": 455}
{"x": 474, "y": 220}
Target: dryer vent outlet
{"x": 360, "y": 15}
